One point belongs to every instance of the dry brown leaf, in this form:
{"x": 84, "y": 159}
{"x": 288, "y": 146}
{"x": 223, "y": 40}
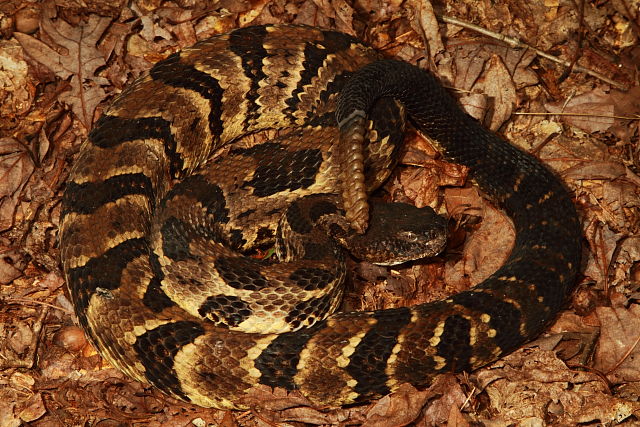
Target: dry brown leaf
{"x": 15, "y": 96}
{"x": 272, "y": 399}
{"x": 421, "y": 185}
{"x": 450, "y": 400}
{"x": 16, "y": 167}
{"x": 398, "y": 409}
{"x": 309, "y": 13}
{"x": 594, "y": 110}
{"x": 7, "y": 416}
{"x": 484, "y": 73}
{"x": 595, "y": 169}
{"x": 456, "y": 419}
{"x": 468, "y": 65}
{"x": 311, "y": 416}
{"x": 151, "y": 31}
{"x": 32, "y": 409}
{"x": 183, "y": 31}
{"x": 426, "y": 25}
{"x": 628, "y": 256}
{"x": 536, "y": 385}
{"x": 627, "y": 103}
{"x": 335, "y": 14}
{"x": 8, "y": 273}
{"x": 343, "y": 15}
{"x": 517, "y": 62}
{"x": 487, "y": 247}
{"x": 602, "y": 241}
{"x": 475, "y": 104}
{"x": 80, "y": 62}
{"x": 618, "y": 350}
{"x": 496, "y": 82}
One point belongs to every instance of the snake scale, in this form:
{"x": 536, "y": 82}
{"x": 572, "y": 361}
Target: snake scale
{"x": 170, "y": 124}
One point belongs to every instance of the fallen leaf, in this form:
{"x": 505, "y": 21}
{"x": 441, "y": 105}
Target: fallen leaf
{"x": 8, "y": 273}
{"x": 449, "y": 400}
{"x": 591, "y": 111}
{"x": 33, "y": 408}
{"x": 16, "y": 167}
{"x": 524, "y": 385}
{"x": 397, "y": 409}
{"x": 594, "y": 169}
{"x": 15, "y": 96}
{"x": 468, "y": 64}
{"x": 426, "y": 25}
{"x": 486, "y": 248}
{"x": 80, "y": 62}
{"x": 618, "y": 350}
{"x": 496, "y": 83}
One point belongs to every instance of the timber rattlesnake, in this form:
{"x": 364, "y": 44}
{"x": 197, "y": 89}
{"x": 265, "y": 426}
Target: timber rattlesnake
{"x": 172, "y": 121}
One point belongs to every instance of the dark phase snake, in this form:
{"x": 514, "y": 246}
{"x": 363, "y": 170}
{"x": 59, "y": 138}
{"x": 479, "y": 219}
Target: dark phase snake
{"x": 143, "y": 306}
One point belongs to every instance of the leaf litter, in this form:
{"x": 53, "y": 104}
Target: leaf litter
{"x": 61, "y": 62}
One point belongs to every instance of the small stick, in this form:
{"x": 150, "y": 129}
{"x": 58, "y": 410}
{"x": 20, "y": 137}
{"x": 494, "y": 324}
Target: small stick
{"x": 516, "y": 43}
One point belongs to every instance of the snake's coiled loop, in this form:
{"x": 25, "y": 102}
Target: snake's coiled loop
{"x": 151, "y": 317}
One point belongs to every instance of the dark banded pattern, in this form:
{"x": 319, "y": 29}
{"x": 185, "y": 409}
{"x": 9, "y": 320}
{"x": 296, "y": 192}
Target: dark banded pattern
{"x": 315, "y": 53}
{"x": 105, "y": 271}
{"x": 174, "y": 73}
{"x": 111, "y": 131}
{"x": 278, "y": 362}
{"x": 85, "y": 198}
{"x": 368, "y": 363}
{"x": 248, "y": 45}
{"x": 156, "y": 349}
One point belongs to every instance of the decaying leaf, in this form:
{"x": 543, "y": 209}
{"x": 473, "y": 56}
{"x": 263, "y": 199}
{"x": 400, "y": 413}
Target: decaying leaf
{"x": 15, "y": 96}
{"x": 591, "y": 111}
{"x": 16, "y": 166}
{"x": 496, "y": 82}
{"x": 426, "y": 25}
{"x": 80, "y": 60}
{"x": 537, "y": 386}
{"x": 485, "y": 249}
{"x": 618, "y": 352}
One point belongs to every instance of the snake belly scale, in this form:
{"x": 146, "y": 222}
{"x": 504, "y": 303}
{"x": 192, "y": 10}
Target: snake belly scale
{"x": 173, "y": 120}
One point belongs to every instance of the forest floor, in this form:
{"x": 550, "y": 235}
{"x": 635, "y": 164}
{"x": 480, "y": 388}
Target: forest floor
{"x": 571, "y": 97}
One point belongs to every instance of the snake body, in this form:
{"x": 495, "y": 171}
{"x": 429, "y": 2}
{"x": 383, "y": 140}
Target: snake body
{"x": 144, "y": 312}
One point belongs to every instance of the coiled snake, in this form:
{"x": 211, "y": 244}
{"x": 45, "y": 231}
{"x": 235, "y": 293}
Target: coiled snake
{"x": 135, "y": 280}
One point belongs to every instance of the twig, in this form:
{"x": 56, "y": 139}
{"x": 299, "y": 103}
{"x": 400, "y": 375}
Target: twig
{"x": 623, "y": 358}
{"x": 578, "y": 52}
{"x": 518, "y": 44}
{"x": 24, "y": 300}
{"x": 607, "y": 116}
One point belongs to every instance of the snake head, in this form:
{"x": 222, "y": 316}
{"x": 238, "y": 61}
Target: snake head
{"x": 397, "y": 233}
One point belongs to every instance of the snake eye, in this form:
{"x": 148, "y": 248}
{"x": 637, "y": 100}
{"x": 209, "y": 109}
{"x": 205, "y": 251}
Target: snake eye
{"x": 410, "y": 236}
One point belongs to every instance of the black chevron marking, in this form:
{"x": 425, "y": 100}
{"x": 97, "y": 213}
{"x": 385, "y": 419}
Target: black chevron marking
{"x": 248, "y": 43}
{"x": 85, "y": 198}
{"x": 157, "y": 349}
{"x": 174, "y": 73}
{"x": 368, "y": 362}
{"x": 111, "y": 131}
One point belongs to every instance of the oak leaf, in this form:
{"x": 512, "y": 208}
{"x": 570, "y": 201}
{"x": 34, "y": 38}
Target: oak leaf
{"x": 80, "y": 60}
